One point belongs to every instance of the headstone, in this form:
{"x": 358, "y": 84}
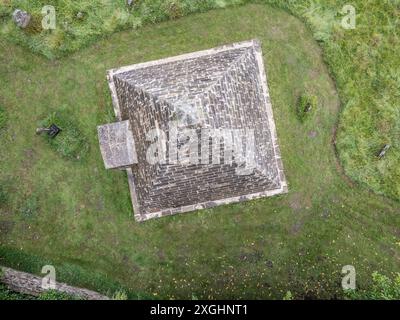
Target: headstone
{"x": 21, "y": 18}
{"x": 52, "y": 131}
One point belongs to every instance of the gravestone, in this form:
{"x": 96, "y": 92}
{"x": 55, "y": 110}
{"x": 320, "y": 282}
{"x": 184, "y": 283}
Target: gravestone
{"x": 52, "y": 131}
{"x": 21, "y": 18}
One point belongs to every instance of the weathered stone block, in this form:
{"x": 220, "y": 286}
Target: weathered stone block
{"x": 21, "y": 18}
{"x": 117, "y": 145}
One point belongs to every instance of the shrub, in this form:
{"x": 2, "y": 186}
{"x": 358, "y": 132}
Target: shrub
{"x": 306, "y": 105}
{"x": 120, "y": 295}
{"x": 288, "y": 296}
{"x": 70, "y": 142}
{"x": 383, "y": 288}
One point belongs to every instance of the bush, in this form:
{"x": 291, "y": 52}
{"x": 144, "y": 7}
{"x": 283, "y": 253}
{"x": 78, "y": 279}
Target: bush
{"x": 306, "y": 105}
{"x": 120, "y": 295}
{"x": 383, "y": 288}
{"x": 70, "y": 142}
{"x": 288, "y": 296}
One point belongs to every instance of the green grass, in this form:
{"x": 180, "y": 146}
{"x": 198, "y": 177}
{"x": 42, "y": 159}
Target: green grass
{"x": 306, "y": 105}
{"x": 70, "y": 141}
{"x": 56, "y": 295}
{"x": 297, "y": 242}
{"x": 3, "y": 119}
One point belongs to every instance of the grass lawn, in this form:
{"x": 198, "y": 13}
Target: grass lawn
{"x": 76, "y": 215}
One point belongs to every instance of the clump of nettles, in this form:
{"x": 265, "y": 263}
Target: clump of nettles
{"x": 306, "y": 106}
{"x": 382, "y": 288}
{"x": 3, "y": 118}
{"x": 70, "y": 142}
{"x": 56, "y": 295}
{"x": 120, "y": 295}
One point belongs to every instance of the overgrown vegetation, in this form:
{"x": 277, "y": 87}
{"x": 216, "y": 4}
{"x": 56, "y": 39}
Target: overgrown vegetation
{"x": 56, "y": 295}
{"x": 120, "y": 295}
{"x": 70, "y": 142}
{"x": 364, "y": 63}
{"x": 81, "y": 22}
{"x": 288, "y": 296}
{"x": 383, "y": 288}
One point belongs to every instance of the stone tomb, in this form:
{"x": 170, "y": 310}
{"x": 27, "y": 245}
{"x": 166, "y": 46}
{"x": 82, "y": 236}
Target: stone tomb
{"x": 194, "y": 131}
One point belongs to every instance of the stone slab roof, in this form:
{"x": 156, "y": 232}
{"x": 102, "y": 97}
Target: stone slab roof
{"x": 203, "y": 130}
